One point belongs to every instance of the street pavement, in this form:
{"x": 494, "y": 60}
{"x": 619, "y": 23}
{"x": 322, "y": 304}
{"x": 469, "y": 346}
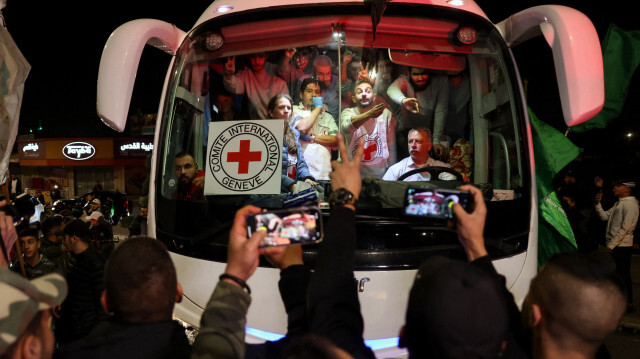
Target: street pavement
{"x": 625, "y": 342}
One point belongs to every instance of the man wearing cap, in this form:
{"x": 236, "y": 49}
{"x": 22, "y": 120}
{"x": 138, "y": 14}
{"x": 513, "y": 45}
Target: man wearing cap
{"x": 25, "y": 314}
{"x": 101, "y": 234}
{"x": 81, "y": 311}
{"x": 458, "y": 309}
{"x": 621, "y": 222}
{"x": 35, "y": 263}
{"x": 94, "y": 207}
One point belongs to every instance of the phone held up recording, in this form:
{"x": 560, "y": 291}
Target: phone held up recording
{"x": 435, "y": 203}
{"x": 299, "y": 225}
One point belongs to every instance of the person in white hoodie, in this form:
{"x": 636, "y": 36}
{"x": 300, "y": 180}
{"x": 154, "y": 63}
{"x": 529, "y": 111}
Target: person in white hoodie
{"x": 621, "y": 222}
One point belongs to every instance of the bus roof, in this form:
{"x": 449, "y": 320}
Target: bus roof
{"x": 222, "y": 7}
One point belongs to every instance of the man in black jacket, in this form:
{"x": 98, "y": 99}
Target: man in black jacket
{"x": 141, "y": 289}
{"x": 462, "y": 309}
{"x": 81, "y": 311}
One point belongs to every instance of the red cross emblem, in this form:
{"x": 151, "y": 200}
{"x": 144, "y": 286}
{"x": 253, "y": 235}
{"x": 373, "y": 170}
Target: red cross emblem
{"x": 370, "y": 150}
{"x": 244, "y": 156}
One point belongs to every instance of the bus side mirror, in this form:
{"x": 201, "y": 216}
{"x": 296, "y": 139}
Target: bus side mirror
{"x": 577, "y": 55}
{"x": 119, "y": 64}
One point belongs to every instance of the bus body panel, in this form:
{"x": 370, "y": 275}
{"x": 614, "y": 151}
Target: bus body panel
{"x": 384, "y": 292}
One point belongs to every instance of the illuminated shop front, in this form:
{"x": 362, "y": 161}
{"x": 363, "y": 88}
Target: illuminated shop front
{"x": 76, "y": 165}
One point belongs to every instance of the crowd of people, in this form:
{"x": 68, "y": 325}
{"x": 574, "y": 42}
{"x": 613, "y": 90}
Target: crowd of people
{"x": 69, "y": 292}
{"x": 381, "y": 105}
{"x": 456, "y": 309}
{"x": 603, "y": 216}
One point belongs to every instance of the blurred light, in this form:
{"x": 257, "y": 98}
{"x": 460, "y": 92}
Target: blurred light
{"x": 213, "y": 41}
{"x": 374, "y": 344}
{"x": 373, "y": 74}
{"x": 224, "y": 8}
{"x": 467, "y": 35}
{"x": 456, "y": 2}
{"x": 629, "y": 134}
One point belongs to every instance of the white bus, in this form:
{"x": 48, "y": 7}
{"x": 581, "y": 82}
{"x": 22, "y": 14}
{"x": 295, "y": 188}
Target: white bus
{"x": 487, "y": 121}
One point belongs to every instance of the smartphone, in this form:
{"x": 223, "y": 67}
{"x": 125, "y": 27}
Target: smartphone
{"x": 434, "y": 202}
{"x": 299, "y": 225}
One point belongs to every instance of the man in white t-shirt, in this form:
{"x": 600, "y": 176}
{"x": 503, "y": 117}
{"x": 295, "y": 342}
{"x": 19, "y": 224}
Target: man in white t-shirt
{"x": 375, "y": 126}
{"x": 419, "y": 146}
{"x": 318, "y": 129}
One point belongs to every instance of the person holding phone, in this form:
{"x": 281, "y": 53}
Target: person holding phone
{"x": 326, "y": 314}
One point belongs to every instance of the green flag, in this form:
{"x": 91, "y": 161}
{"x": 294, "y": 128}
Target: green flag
{"x": 620, "y": 57}
{"x": 552, "y": 152}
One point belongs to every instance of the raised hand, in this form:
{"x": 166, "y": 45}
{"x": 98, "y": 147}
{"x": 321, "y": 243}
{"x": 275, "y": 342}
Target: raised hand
{"x": 346, "y": 174}
{"x": 411, "y": 104}
{"x": 470, "y": 226}
{"x": 376, "y": 111}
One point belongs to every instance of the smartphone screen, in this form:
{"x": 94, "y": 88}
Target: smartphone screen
{"x": 434, "y": 203}
{"x": 300, "y": 225}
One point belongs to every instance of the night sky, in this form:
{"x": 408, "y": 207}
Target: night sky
{"x": 64, "y": 51}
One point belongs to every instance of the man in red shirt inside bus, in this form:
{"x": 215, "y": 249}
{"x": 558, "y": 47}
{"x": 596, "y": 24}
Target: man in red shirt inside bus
{"x": 190, "y": 178}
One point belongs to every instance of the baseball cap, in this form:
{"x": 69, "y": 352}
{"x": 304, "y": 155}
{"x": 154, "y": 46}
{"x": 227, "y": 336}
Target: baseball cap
{"x": 77, "y": 227}
{"x": 95, "y": 215}
{"x": 625, "y": 182}
{"x": 95, "y": 200}
{"x": 22, "y": 299}
{"x": 455, "y": 310}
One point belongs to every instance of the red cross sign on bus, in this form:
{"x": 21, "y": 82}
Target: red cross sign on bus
{"x": 244, "y": 157}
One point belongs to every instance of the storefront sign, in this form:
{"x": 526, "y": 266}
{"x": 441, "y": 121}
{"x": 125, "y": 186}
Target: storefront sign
{"x": 31, "y": 150}
{"x": 146, "y": 147}
{"x": 78, "y": 151}
{"x": 131, "y": 148}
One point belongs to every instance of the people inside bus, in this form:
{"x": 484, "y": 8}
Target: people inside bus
{"x": 459, "y": 114}
{"x": 419, "y": 146}
{"x": 351, "y": 71}
{"x": 293, "y": 64}
{"x": 425, "y": 103}
{"x": 255, "y": 82}
{"x": 294, "y": 166}
{"x": 190, "y": 178}
{"x": 374, "y": 126}
{"x": 318, "y": 129}
{"x": 223, "y": 102}
{"x": 384, "y": 75}
{"x": 323, "y": 69}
